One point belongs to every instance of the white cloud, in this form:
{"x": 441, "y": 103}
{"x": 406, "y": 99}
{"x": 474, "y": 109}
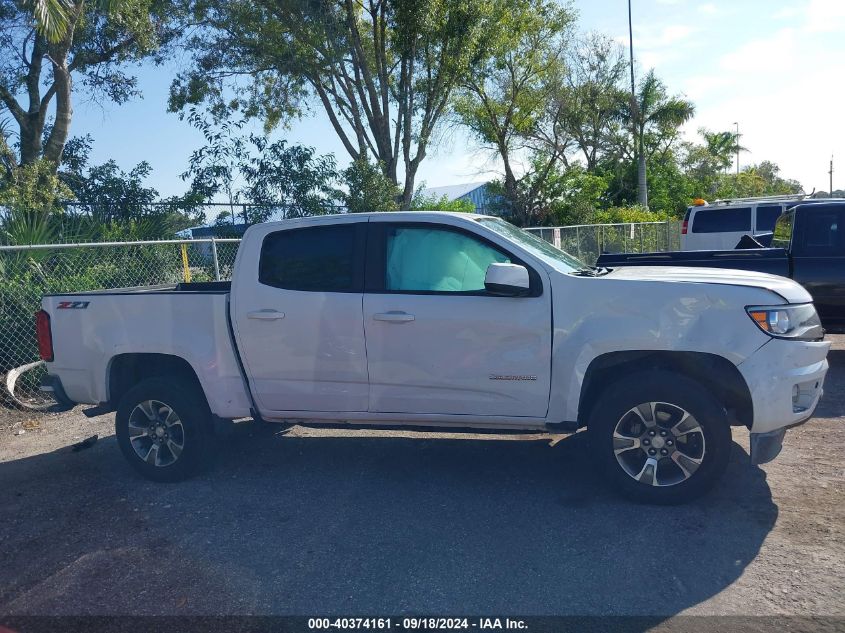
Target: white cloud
{"x": 825, "y": 16}
{"x": 670, "y": 2}
{"x": 709, "y": 9}
{"x": 774, "y": 54}
{"x": 787, "y": 13}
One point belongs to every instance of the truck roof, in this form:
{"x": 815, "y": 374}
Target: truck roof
{"x": 399, "y": 216}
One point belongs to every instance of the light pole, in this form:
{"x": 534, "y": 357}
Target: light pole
{"x": 642, "y": 177}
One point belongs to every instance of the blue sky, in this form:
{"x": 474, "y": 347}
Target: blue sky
{"x": 774, "y": 66}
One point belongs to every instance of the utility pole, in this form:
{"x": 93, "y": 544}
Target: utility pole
{"x": 642, "y": 176}
{"x": 831, "y": 175}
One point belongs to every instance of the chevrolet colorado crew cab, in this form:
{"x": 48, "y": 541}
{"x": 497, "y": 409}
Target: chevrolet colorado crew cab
{"x": 447, "y": 321}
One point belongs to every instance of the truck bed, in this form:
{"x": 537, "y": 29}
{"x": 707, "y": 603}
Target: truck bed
{"x": 774, "y": 261}
{"x": 190, "y": 321}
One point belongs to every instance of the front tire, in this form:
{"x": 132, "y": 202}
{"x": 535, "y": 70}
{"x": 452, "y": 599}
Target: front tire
{"x": 163, "y": 428}
{"x": 659, "y": 437}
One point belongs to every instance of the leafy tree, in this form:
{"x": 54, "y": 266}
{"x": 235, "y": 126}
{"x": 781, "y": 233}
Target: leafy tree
{"x": 263, "y": 176}
{"x": 291, "y": 175}
{"x": 506, "y": 100}
{"x": 114, "y": 202}
{"x": 73, "y": 45}
{"x": 593, "y": 96}
{"x": 575, "y": 195}
{"x": 368, "y": 189}
{"x": 382, "y": 70}
{"x": 431, "y": 202}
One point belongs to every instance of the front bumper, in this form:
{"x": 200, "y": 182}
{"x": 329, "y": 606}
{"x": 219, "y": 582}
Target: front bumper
{"x": 786, "y": 380}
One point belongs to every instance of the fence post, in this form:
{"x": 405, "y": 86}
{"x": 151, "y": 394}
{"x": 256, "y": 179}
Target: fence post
{"x": 186, "y": 269}
{"x": 215, "y": 260}
{"x": 578, "y": 240}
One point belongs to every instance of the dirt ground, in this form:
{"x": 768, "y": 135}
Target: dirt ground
{"x": 317, "y": 523}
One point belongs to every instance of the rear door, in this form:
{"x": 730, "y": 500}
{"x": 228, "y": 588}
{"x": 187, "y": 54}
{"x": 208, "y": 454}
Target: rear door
{"x": 818, "y": 259}
{"x": 437, "y": 342}
{"x": 717, "y": 228}
{"x": 297, "y": 315}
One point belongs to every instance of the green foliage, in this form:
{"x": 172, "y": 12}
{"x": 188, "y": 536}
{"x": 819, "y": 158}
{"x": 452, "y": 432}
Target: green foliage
{"x": 423, "y": 202}
{"x": 368, "y": 189}
{"x": 32, "y": 187}
{"x": 383, "y": 71}
{"x": 575, "y": 195}
{"x": 76, "y": 48}
{"x": 292, "y": 177}
{"x": 619, "y": 215}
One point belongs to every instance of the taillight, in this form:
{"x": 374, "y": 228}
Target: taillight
{"x": 684, "y": 227}
{"x": 45, "y": 336}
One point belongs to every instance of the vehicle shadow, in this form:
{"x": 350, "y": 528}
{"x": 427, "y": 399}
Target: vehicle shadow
{"x": 366, "y": 525}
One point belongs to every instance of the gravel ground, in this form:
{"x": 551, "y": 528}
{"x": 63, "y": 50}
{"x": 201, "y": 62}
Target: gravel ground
{"x": 314, "y": 523}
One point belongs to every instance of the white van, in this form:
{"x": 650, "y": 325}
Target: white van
{"x": 721, "y": 225}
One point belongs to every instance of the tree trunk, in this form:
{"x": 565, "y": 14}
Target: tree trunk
{"x": 30, "y": 140}
{"x": 64, "y": 112}
{"x": 642, "y": 179}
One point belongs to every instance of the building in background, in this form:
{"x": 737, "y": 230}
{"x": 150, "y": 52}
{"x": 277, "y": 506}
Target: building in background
{"x": 478, "y": 193}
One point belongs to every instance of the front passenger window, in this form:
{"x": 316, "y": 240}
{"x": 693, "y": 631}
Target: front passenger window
{"x": 436, "y": 260}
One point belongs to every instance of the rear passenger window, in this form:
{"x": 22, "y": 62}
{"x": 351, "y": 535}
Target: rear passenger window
{"x": 821, "y": 234}
{"x": 317, "y": 259}
{"x": 767, "y": 216}
{"x": 722, "y": 220}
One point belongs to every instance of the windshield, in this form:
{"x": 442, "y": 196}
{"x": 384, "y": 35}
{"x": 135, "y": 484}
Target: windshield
{"x": 540, "y": 248}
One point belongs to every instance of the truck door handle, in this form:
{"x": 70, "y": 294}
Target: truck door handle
{"x": 393, "y": 317}
{"x": 266, "y": 315}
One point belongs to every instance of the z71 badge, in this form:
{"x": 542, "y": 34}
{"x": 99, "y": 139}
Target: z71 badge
{"x": 72, "y": 305}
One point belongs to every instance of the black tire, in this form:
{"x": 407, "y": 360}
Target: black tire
{"x": 188, "y": 403}
{"x": 711, "y": 443}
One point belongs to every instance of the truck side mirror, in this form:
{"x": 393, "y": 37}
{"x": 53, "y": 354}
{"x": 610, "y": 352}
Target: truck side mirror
{"x": 507, "y": 280}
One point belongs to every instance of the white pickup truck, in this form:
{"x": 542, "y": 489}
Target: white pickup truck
{"x": 447, "y": 320}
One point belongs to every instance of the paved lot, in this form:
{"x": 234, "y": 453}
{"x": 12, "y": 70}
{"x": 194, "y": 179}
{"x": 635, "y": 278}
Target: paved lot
{"x": 312, "y": 523}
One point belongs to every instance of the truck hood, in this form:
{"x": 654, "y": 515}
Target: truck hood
{"x": 786, "y": 288}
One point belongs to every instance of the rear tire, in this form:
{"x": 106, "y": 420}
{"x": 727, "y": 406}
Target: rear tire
{"x": 163, "y": 428}
{"x": 659, "y": 437}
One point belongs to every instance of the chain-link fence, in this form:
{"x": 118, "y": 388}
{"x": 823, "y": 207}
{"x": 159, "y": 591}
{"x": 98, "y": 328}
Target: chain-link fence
{"x": 28, "y": 272}
{"x": 589, "y": 241}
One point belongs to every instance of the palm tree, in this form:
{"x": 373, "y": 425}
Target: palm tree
{"x": 656, "y": 118}
{"x": 722, "y": 146}
{"x": 54, "y": 18}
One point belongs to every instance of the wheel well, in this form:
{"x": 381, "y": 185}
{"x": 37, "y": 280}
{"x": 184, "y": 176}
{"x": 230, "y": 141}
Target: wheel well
{"x": 716, "y": 373}
{"x": 127, "y": 370}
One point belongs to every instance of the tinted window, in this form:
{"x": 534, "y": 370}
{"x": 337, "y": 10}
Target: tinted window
{"x": 783, "y": 230}
{"x": 722, "y": 220}
{"x": 767, "y": 216}
{"x": 821, "y": 233}
{"x": 319, "y": 259}
{"x": 437, "y": 260}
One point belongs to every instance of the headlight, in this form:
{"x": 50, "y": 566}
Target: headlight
{"x": 789, "y": 321}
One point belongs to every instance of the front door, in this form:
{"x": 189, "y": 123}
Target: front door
{"x": 298, "y": 320}
{"x": 437, "y": 342}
